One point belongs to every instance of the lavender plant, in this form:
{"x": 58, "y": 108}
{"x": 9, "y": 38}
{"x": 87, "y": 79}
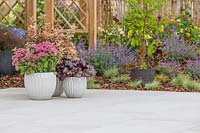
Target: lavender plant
{"x": 193, "y": 67}
{"x": 170, "y": 68}
{"x": 74, "y": 68}
{"x": 109, "y": 56}
{"x": 178, "y": 49}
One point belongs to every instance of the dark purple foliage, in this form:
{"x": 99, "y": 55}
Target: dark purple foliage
{"x": 77, "y": 68}
{"x": 105, "y": 57}
{"x": 193, "y": 67}
{"x": 178, "y": 49}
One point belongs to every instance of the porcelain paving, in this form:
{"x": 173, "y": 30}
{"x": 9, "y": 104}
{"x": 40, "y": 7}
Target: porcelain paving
{"x": 101, "y": 111}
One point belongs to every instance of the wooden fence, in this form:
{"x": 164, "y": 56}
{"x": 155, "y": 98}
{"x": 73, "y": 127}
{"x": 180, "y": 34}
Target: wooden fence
{"x": 86, "y": 15}
{"x": 60, "y": 14}
{"x": 111, "y": 11}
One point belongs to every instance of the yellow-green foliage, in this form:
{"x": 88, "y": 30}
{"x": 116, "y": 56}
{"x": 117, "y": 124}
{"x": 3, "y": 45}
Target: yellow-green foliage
{"x": 186, "y": 82}
{"x": 152, "y": 86}
{"x": 135, "y": 84}
{"x": 92, "y": 85}
{"x": 180, "y": 79}
{"x": 162, "y": 78}
{"x": 111, "y": 73}
{"x": 120, "y": 79}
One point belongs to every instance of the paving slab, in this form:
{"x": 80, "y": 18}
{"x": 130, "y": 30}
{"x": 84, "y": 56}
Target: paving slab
{"x": 101, "y": 111}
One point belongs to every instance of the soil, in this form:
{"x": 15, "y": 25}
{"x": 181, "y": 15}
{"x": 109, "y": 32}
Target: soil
{"x": 16, "y": 81}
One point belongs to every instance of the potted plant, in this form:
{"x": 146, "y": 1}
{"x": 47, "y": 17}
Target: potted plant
{"x": 10, "y": 38}
{"x": 62, "y": 42}
{"x": 142, "y": 26}
{"x": 37, "y": 63}
{"x": 74, "y": 75}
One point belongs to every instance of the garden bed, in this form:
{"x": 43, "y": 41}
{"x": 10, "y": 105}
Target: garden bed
{"x": 16, "y": 81}
{"x": 107, "y": 84}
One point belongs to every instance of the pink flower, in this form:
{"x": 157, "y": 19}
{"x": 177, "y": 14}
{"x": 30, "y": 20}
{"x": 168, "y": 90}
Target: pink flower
{"x": 28, "y": 55}
{"x": 42, "y": 54}
{"x": 35, "y": 57}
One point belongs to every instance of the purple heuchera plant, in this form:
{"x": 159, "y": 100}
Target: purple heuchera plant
{"x": 178, "y": 49}
{"x": 74, "y": 68}
{"x": 193, "y": 67}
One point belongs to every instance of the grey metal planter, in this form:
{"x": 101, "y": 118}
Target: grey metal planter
{"x": 146, "y": 75}
{"x": 75, "y": 87}
{"x": 6, "y": 66}
{"x": 59, "y": 88}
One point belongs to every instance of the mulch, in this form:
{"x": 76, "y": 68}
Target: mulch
{"x": 12, "y": 81}
{"x": 17, "y": 81}
{"x": 107, "y": 84}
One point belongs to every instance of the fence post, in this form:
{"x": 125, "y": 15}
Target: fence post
{"x": 30, "y": 9}
{"x": 196, "y": 11}
{"x": 49, "y": 14}
{"x": 92, "y": 7}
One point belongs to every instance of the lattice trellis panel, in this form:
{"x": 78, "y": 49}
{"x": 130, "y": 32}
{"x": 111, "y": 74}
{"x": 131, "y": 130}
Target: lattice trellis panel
{"x": 12, "y": 12}
{"x": 69, "y": 13}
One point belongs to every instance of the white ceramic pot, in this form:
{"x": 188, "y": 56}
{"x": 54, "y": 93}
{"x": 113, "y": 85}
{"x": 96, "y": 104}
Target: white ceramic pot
{"x": 40, "y": 86}
{"x": 59, "y": 88}
{"x": 75, "y": 87}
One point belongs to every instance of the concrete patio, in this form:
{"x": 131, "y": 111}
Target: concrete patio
{"x": 101, "y": 111}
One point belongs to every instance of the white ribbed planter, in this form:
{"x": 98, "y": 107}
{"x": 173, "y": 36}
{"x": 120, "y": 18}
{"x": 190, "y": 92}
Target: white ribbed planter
{"x": 59, "y": 88}
{"x": 75, "y": 87}
{"x": 40, "y": 86}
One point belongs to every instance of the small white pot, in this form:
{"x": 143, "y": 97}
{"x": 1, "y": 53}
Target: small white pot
{"x": 75, "y": 87}
{"x": 40, "y": 86}
{"x": 59, "y": 88}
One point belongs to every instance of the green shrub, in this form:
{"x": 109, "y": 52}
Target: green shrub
{"x": 191, "y": 84}
{"x": 180, "y": 79}
{"x": 92, "y": 85}
{"x": 186, "y": 82}
{"x": 152, "y": 86}
{"x": 197, "y": 86}
{"x": 120, "y": 79}
{"x": 135, "y": 84}
{"x": 111, "y": 73}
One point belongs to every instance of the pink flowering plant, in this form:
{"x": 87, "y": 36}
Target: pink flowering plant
{"x": 36, "y": 58}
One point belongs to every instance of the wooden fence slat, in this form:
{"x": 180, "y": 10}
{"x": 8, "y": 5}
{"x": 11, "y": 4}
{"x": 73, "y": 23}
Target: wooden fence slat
{"x": 195, "y": 11}
{"x": 92, "y": 7}
{"x": 49, "y": 14}
{"x": 83, "y": 15}
{"x": 30, "y": 9}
